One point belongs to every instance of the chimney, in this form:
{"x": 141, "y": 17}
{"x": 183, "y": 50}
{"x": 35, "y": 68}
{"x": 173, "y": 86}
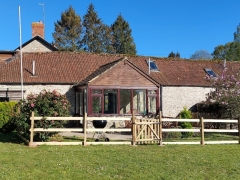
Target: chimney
{"x": 38, "y": 29}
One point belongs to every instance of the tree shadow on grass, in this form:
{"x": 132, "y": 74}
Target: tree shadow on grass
{"x": 11, "y": 137}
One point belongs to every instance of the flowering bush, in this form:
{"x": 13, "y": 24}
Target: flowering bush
{"x": 226, "y": 96}
{"x": 44, "y": 104}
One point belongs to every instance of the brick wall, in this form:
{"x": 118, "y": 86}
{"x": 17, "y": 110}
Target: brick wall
{"x": 122, "y": 75}
{"x": 3, "y": 57}
{"x": 38, "y": 29}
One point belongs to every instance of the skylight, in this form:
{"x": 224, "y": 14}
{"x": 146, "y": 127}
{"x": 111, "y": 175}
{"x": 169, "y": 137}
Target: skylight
{"x": 153, "y": 66}
{"x": 210, "y": 72}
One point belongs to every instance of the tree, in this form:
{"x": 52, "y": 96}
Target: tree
{"x": 95, "y": 32}
{"x": 237, "y": 34}
{"x": 229, "y": 51}
{"x": 174, "y": 55}
{"x": 201, "y": 55}
{"x": 171, "y": 55}
{"x": 123, "y": 42}
{"x": 220, "y": 52}
{"x": 107, "y": 40}
{"x": 227, "y": 95}
{"x": 68, "y": 30}
{"x": 177, "y": 55}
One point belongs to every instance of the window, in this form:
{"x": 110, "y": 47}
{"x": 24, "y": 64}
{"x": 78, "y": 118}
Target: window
{"x": 97, "y": 104}
{"x": 152, "y": 104}
{"x": 3, "y": 99}
{"x": 96, "y": 91}
{"x": 153, "y": 66}
{"x": 139, "y": 101}
{"x": 122, "y": 101}
{"x": 125, "y": 101}
{"x": 77, "y": 103}
{"x": 210, "y": 72}
{"x": 152, "y": 101}
{"x": 110, "y": 101}
{"x": 80, "y": 102}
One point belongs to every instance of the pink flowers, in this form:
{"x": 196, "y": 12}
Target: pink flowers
{"x": 227, "y": 94}
{"x": 32, "y": 105}
{"x": 224, "y": 103}
{"x": 55, "y": 113}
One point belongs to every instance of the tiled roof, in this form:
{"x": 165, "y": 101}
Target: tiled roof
{"x": 184, "y": 72}
{"x": 54, "y": 67}
{"x": 73, "y": 68}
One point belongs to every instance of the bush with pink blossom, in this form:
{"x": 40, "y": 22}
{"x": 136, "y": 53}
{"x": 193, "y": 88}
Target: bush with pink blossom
{"x": 226, "y": 96}
{"x": 47, "y": 103}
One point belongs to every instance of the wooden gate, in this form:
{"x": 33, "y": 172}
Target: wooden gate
{"x": 146, "y": 131}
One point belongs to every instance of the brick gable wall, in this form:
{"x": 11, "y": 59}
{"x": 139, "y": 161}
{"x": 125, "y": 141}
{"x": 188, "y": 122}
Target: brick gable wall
{"x": 4, "y": 57}
{"x": 122, "y": 75}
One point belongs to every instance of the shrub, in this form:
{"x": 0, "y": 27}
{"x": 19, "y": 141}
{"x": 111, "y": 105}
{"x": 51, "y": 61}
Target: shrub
{"x": 56, "y": 137}
{"x": 186, "y": 114}
{"x": 6, "y": 110}
{"x": 175, "y": 135}
{"x": 44, "y": 104}
{"x": 226, "y": 96}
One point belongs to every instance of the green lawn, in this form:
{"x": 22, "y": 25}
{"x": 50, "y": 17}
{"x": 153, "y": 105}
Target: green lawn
{"x": 18, "y": 161}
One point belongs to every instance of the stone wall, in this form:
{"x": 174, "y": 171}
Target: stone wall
{"x": 35, "y": 46}
{"x": 36, "y": 89}
{"x": 175, "y": 98}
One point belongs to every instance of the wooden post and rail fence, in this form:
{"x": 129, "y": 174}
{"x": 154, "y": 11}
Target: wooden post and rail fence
{"x": 143, "y": 130}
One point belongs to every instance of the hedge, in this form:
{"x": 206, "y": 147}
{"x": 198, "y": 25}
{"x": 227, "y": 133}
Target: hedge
{"x": 6, "y": 109}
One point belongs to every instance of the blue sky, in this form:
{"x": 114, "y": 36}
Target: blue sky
{"x": 158, "y": 26}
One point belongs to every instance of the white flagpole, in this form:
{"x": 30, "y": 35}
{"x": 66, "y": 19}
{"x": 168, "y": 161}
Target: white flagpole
{"x": 149, "y": 68}
{"x": 20, "y": 37}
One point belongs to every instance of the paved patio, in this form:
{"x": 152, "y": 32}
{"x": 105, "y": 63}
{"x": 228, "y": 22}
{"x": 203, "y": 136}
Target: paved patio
{"x": 111, "y": 136}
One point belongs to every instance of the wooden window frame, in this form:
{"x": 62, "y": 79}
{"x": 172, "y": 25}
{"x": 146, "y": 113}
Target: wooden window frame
{"x": 102, "y": 88}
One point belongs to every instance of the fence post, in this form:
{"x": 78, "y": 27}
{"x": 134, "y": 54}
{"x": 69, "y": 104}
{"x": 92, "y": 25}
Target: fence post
{"x": 202, "y": 130}
{"x": 239, "y": 130}
{"x": 31, "y": 129}
{"x": 160, "y": 128}
{"x": 85, "y": 129}
{"x": 133, "y": 130}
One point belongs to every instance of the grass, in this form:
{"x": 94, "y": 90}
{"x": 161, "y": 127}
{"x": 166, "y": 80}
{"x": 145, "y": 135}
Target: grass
{"x": 207, "y": 137}
{"x": 18, "y": 161}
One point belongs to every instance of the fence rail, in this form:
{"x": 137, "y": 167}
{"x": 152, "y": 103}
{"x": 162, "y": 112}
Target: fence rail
{"x": 143, "y": 130}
